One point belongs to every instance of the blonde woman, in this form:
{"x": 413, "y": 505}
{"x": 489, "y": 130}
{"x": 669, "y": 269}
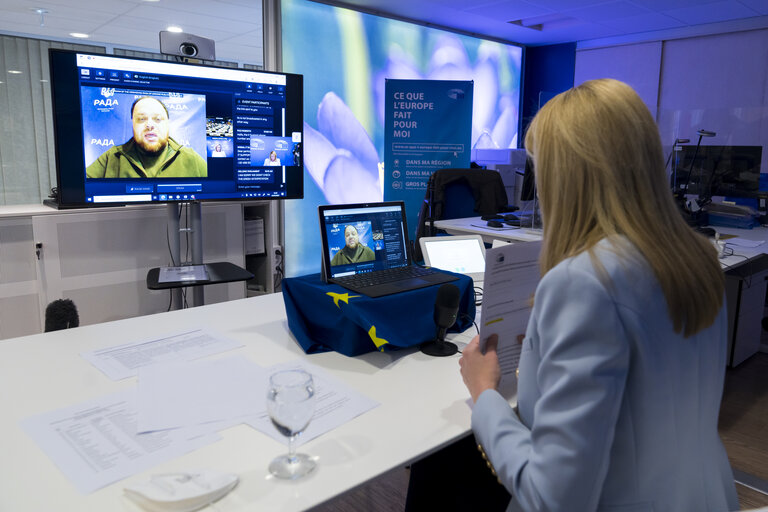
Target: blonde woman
{"x": 622, "y": 364}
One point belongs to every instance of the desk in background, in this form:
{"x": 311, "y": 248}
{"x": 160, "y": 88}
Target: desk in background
{"x": 417, "y": 415}
{"x": 746, "y": 271}
{"x": 475, "y": 226}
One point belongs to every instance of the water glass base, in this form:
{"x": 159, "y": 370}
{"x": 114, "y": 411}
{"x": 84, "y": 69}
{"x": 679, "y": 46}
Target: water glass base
{"x": 291, "y": 468}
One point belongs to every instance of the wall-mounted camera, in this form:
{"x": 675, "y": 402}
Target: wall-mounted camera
{"x": 187, "y": 45}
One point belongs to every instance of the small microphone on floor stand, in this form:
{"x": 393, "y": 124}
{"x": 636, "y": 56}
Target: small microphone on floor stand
{"x": 446, "y": 310}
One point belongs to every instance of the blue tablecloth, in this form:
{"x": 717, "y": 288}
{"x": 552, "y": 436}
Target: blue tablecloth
{"x": 325, "y": 317}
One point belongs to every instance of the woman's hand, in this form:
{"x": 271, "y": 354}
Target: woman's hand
{"x": 480, "y": 371}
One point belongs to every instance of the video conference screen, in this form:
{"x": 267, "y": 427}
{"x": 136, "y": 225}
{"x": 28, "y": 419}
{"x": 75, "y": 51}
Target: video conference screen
{"x": 140, "y": 131}
{"x": 364, "y": 239}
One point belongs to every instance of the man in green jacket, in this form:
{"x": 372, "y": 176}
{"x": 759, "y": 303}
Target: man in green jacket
{"x": 151, "y": 152}
{"x": 353, "y": 251}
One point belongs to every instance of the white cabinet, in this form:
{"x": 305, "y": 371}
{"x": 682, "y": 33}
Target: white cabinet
{"x": 745, "y": 294}
{"x": 99, "y": 258}
{"x": 19, "y": 286}
{"x": 263, "y": 251}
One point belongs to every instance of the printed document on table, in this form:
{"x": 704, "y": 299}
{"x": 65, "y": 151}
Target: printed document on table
{"x": 743, "y": 242}
{"x": 124, "y": 360}
{"x": 335, "y": 404}
{"x": 511, "y": 277}
{"x": 188, "y": 393}
{"x": 94, "y": 443}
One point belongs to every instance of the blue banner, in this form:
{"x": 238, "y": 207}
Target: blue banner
{"x": 427, "y": 126}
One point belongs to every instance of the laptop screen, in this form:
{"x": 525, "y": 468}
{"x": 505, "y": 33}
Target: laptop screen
{"x": 361, "y": 238}
{"x": 460, "y": 254}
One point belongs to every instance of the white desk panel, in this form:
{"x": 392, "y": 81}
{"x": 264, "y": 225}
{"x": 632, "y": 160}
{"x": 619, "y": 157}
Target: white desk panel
{"x": 476, "y": 226}
{"x": 423, "y": 407}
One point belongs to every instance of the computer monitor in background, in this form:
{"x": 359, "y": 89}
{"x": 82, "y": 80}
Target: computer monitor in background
{"x": 731, "y": 171}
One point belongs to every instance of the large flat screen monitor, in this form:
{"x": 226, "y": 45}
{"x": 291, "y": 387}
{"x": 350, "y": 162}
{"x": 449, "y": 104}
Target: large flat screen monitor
{"x": 732, "y": 171}
{"x": 131, "y": 130}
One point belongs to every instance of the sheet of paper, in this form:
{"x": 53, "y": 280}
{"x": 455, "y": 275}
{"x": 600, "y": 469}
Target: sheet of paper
{"x": 743, "y": 242}
{"x": 511, "y": 276}
{"x": 124, "y": 361}
{"x": 187, "y": 393}
{"x": 94, "y": 443}
{"x": 185, "y": 273}
{"x": 335, "y": 404}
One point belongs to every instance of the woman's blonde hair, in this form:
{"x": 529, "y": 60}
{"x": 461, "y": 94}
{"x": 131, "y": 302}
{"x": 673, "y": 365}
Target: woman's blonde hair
{"x": 600, "y": 172}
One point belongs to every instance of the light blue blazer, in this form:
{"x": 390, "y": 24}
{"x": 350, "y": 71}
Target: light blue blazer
{"x": 617, "y": 412}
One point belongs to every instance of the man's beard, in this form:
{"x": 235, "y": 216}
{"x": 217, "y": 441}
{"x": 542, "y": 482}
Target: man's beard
{"x": 152, "y": 148}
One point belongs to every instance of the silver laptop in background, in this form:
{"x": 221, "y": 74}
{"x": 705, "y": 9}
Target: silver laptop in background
{"x": 459, "y": 254}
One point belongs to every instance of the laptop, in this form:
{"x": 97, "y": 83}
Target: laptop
{"x": 460, "y": 254}
{"x": 366, "y": 249}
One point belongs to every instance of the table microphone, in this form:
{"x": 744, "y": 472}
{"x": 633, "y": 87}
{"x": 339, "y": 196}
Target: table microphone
{"x": 446, "y": 310}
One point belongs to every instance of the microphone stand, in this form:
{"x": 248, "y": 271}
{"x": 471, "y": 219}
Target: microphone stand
{"x": 693, "y": 218}
{"x": 675, "y": 149}
{"x": 705, "y": 196}
{"x": 439, "y": 347}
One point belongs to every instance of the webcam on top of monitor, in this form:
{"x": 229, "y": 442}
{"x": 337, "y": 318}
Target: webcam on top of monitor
{"x": 187, "y": 45}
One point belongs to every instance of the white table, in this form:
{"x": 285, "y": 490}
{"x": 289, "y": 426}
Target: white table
{"x": 478, "y": 226}
{"x": 746, "y": 271}
{"x": 423, "y": 407}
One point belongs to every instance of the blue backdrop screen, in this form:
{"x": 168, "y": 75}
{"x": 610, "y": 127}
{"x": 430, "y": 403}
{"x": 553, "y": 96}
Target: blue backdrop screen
{"x": 344, "y": 102}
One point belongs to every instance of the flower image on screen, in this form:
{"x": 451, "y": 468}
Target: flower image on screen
{"x": 344, "y": 102}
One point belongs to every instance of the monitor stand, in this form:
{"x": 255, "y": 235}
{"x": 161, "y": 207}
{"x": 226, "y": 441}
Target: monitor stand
{"x": 195, "y": 229}
{"x": 220, "y": 272}
{"x": 531, "y": 219}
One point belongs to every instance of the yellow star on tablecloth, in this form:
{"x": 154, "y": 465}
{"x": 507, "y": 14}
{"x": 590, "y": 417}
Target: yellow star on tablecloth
{"x": 379, "y": 342}
{"x": 341, "y": 296}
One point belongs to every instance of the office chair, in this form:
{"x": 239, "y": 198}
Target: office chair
{"x": 61, "y": 314}
{"x": 458, "y": 193}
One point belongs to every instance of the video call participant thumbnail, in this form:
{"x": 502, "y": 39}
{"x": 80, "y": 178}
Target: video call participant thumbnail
{"x": 151, "y": 152}
{"x": 218, "y": 152}
{"x": 272, "y": 159}
{"x": 353, "y": 251}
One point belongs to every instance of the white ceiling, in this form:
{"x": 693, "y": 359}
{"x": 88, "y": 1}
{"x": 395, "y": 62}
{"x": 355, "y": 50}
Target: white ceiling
{"x": 236, "y": 25}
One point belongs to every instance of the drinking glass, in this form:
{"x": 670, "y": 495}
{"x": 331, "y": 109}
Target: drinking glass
{"x": 291, "y": 403}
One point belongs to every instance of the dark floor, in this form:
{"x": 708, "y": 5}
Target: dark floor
{"x": 744, "y": 424}
{"x": 743, "y": 428}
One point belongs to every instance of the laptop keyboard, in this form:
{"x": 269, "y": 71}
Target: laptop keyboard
{"x": 378, "y": 277}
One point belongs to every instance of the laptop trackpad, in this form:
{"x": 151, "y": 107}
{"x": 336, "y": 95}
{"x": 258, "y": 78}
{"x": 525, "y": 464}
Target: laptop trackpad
{"x": 413, "y": 282}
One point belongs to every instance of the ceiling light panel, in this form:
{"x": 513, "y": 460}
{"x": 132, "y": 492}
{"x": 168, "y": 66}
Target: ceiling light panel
{"x": 643, "y": 23}
{"x": 607, "y": 11}
{"x": 508, "y": 10}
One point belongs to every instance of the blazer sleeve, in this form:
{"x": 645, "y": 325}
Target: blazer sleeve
{"x": 561, "y": 461}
